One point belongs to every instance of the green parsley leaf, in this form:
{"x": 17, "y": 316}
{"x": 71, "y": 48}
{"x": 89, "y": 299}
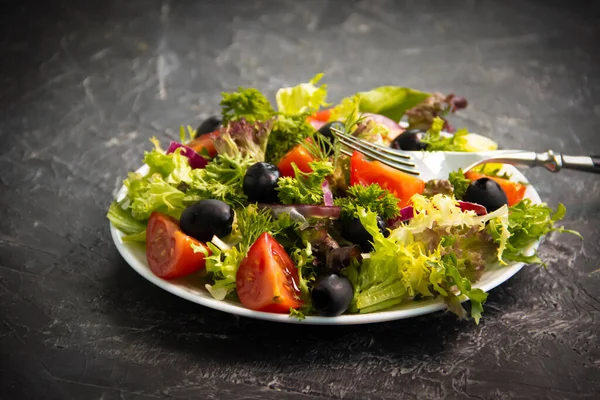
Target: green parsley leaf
{"x": 287, "y": 132}
{"x": 305, "y": 188}
{"x": 459, "y": 182}
{"x": 251, "y": 222}
{"x": 249, "y": 104}
{"x": 372, "y": 197}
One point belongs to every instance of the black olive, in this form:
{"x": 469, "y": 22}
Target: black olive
{"x": 260, "y": 182}
{"x": 331, "y": 295}
{"x": 355, "y": 232}
{"x": 327, "y": 133}
{"x": 209, "y": 125}
{"x": 207, "y": 218}
{"x": 486, "y": 192}
{"x": 409, "y": 140}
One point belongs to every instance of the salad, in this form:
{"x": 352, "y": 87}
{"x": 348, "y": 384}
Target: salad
{"x": 264, "y": 205}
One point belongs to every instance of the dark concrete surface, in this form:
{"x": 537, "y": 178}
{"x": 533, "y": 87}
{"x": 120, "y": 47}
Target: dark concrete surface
{"x": 84, "y": 84}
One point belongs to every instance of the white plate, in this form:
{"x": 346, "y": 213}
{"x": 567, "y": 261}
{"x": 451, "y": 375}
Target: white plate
{"x": 192, "y": 288}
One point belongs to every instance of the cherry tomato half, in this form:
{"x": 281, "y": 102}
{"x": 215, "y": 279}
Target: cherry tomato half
{"x": 267, "y": 279}
{"x": 168, "y": 249}
{"x": 297, "y": 155}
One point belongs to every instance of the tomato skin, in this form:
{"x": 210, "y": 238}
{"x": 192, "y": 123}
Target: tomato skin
{"x": 267, "y": 279}
{"x": 322, "y": 115}
{"x": 205, "y": 144}
{"x": 168, "y": 249}
{"x": 515, "y": 192}
{"x": 298, "y": 155}
{"x": 319, "y": 118}
{"x": 400, "y": 184}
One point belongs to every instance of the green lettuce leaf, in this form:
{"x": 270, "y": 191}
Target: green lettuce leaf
{"x": 122, "y": 220}
{"x": 437, "y": 142}
{"x": 461, "y": 140}
{"x": 161, "y": 189}
{"x": 146, "y": 194}
{"x": 221, "y": 179}
{"x": 440, "y": 252}
{"x": 222, "y": 265}
{"x": 390, "y": 101}
{"x": 297, "y": 314}
{"x": 244, "y": 138}
{"x": 457, "y": 285}
{"x": 303, "y": 98}
{"x": 139, "y": 237}
{"x": 303, "y": 259}
{"x": 526, "y": 224}
{"x": 348, "y": 107}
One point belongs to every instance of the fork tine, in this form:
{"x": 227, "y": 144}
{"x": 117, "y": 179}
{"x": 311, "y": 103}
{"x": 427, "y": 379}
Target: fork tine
{"x": 380, "y": 152}
{"x": 392, "y": 152}
{"x": 364, "y": 145}
{"x": 402, "y": 166}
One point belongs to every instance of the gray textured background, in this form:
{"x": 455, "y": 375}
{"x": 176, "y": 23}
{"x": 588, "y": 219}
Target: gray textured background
{"x": 83, "y": 85}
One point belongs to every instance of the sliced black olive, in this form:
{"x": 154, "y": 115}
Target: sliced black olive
{"x": 486, "y": 192}
{"x": 355, "y": 232}
{"x": 331, "y": 295}
{"x": 207, "y": 218}
{"x": 409, "y": 140}
{"x": 260, "y": 182}
{"x": 329, "y": 135}
{"x": 209, "y": 125}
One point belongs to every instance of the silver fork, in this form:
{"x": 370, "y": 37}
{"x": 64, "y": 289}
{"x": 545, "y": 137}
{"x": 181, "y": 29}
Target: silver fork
{"x": 437, "y": 164}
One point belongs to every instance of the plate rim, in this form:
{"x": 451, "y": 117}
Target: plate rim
{"x": 428, "y": 306}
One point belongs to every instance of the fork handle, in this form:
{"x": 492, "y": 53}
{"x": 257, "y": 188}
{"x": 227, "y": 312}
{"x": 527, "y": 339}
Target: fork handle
{"x": 582, "y": 163}
{"x": 550, "y": 160}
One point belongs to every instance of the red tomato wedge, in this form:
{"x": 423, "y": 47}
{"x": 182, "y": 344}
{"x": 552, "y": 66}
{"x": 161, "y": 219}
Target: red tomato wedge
{"x": 515, "y": 192}
{"x": 400, "y": 184}
{"x": 319, "y": 118}
{"x": 297, "y": 155}
{"x": 267, "y": 279}
{"x": 168, "y": 249}
{"x": 322, "y": 115}
{"x": 205, "y": 144}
